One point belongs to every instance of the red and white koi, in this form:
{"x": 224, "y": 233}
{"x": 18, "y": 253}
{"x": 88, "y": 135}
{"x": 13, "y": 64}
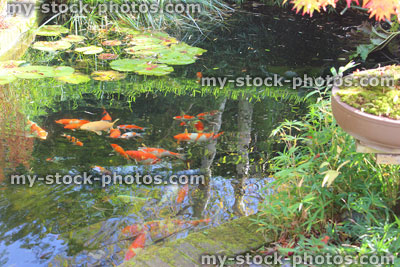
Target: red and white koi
{"x": 196, "y": 137}
{"x": 130, "y": 127}
{"x": 37, "y": 131}
{"x": 130, "y": 135}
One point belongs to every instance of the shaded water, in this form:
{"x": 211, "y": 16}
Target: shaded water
{"x": 81, "y": 224}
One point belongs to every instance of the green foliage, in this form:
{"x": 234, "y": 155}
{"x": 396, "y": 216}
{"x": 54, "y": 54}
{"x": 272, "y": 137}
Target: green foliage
{"x": 323, "y": 187}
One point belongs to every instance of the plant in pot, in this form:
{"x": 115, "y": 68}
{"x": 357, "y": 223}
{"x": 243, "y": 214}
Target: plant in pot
{"x": 367, "y": 106}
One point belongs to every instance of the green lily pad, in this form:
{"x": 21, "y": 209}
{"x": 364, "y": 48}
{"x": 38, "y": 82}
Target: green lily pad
{"x": 111, "y": 42}
{"x": 33, "y": 72}
{"x": 127, "y": 64}
{"x": 144, "y": 40}
{"x": 107, "y": 56}
{"x": 89, "y": 50}
{"x": 176, "y": 58}
{"x": 187, "y": 49}
{"x": 154, "y": 69}
{"x": 146, "y": 50}
{"x": 51, "y": 46}
{"x": 51, "y": 30}
{"x": 73, "y": 38}
{"x": 108, "y": 76}
{"x": 63, "y": 71}
{"x": 7, "y": 78}
{"x": 75, "y": 78}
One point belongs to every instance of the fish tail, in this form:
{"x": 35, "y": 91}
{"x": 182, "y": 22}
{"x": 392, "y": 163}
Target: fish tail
{"x": 218, "y": 135}
{"x": 115, "y": 122}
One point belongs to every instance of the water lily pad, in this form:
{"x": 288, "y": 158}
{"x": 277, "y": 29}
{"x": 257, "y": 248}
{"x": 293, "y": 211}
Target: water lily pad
{"x": 107, "y": 56}
{"x": 6, "y": 78}
{"x": 169, "y": 41}
{"x": 111, "y": 42}
{"x": 51, "y": 30}
{"x": 127, "y": 64}
{"x": 73, "y": 38}
{"x": 108, "y": 76}
{"x": 154, "y": 69}
{"x": 146, "y": 50}
{"x": 187, "y": 49}
{"x": 89, "y": 50}
{"x": 63, "y": 71}
{"x": 33, "y": 72}
{"x": 75, "y": 78}
{"x": 51, "y": 46}
{"x": 144, "y": 40}
{"x": 176, "y": 58}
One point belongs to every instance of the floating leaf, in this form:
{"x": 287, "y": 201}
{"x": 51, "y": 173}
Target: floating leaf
{"x": 176, "y": 59}
{"x": 33, "y": 72}
{"x": 51, "y": 46}
{"x": 63, "y": 71}
{"x": 154, "y": 69}
{"x": 127, "y": 64}
{"x": 108, "y": 76}
{"x": 6, "y": 78}
{"x": 89, "y": 50}
{"x": 111, "y": 42}
{"x": 51, "y": 30}
{"x": 187, "y": 49}
{"x": 73, "y": 38}
{"x": 107, "y": 56}
{"x": 144, "y": 40}
{"x": 146, "y": 50}
{"x": 75, "y": 78}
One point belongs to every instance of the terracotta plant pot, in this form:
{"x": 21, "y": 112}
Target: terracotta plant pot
{"x": 376, "y": 132}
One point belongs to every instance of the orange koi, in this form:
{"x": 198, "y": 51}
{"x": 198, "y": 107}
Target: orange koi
{"x": 73, "y": 126}
{"x": 69, "y": 121}
{"x": 199, "y": 126}
{"x": 160, "y": 153}
{"x": 182, "y": 193}
{"x": 106, "y": 116}
{"x": 130, "y": 135}
{"x": 120, "y": 150}
{"x": 73, "y": 140}
{"x": 35, "y": 129}
{"x": 182, "y": 123}
{"x": 197, "y": 222}
{"x": 142, "y": 157}
{"x": 115, "y": 133}
{"x": 136, "y": 246}
{"x": 199, "y": 75}
{"x": 101, "y": 170}
{"x": 129, "y": 127}
{"x": 196, "y": 137}
{"x": 184, "y": 117}
{"x": 202, "y": 116}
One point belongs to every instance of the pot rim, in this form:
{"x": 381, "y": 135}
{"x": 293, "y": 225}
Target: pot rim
{"x": 360, "y": 113}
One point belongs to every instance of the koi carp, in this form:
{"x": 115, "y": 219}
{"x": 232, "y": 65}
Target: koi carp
{"x": 160, "y": 153}
{"x": 142, "y": 157}
{"x": 35, "y": 129}
{"x": 98, "y": 126}
{"x": 130, "y": 135}
{"x": 73, "y": 140}
{"x": 129, "y": 127}
{"x": 106, "y": 116}
{"x": 120, "y": 150}
{"x": 196, "y": 137}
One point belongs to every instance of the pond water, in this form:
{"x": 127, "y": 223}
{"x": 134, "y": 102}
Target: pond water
{"x": 81, "y": 224}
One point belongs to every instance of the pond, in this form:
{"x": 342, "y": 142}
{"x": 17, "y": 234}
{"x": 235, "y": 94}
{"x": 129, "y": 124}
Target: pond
{"x": 78, "y": 224}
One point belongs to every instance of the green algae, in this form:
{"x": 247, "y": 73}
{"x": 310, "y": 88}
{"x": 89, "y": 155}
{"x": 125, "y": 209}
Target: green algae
{"x": 380, "y": 100}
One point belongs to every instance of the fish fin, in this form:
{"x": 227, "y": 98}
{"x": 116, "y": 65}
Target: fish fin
{"x": 218, "y": 135}
{"x": 115, "y": 122}
{"x": 98, "y": 132}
